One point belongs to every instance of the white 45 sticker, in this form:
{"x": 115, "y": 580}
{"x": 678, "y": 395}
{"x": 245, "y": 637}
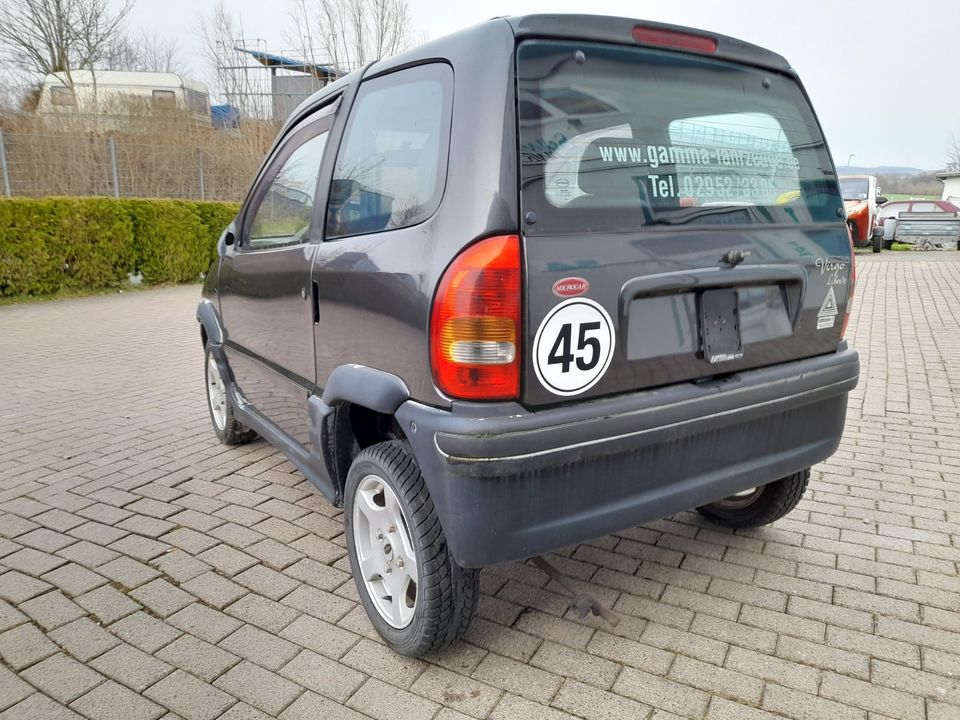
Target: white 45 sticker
{"x": 573, "y": 346}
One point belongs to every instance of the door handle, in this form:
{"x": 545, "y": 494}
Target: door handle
{"x": 316, "y": 302}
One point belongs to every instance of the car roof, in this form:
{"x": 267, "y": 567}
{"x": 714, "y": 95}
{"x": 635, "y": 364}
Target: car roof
{"x": 597, "y": 28}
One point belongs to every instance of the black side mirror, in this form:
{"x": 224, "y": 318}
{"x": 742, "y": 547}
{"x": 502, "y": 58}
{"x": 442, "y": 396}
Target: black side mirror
{"x": 881, "y": 200}
{"x": 228, "y": 238}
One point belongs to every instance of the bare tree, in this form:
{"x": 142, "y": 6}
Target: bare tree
{"x": 349, "y": 33}
{"x": 226, "y": 77}
{"x": 142, "y": 52}
{"x": 45, "y": 36}
{"x": 953, "y": 153}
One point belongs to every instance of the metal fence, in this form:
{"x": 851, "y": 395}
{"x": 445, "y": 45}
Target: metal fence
{"x": 208, "y": 165}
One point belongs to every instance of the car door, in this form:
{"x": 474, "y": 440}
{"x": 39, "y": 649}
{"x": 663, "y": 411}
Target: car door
{"x": 266, "y": 299}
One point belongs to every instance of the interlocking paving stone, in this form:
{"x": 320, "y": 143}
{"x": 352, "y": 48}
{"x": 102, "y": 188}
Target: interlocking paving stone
{"x": 107, "y": 604}
{"x": 319, "y": 636}
{"x": 62, "y": 678}
{"x": 128, "y": 572}
{"x": 23, "y": 646}
{"x": 214, "y": 589}
{"x": 12, "y": 689}
{"x": 161, "y": 597}
{"x": 17, "y": 587}
{"x": 261, "y": 688}
{"x": 595, "y": 704}
{"x": 39, "y": 707}
{"x": 10, "y": 616}
{"x": 204, "y": 622}
{"x": 209, "y": 565}
{"x": 112, "y": 701}
{"x": 146, "y": 632}
{"x": 385, "y": 702}
{"x": 262, "y": 612}
{"x": 83, "y": 639}
{"x": 189, "y": 697}
{"x": 32, "y": 562}
{"x": 74, "y": 579}
{"x": 322, "y": 675}
{"x": 198, "y": 657}
{"x": 381, "y": 662}
{"x": 259, "y": 646}
{"x": 132, "y": 667}
{"x": 52, "y": 610}
{"x": 311, "y": 706}
{"x": 455, "y": 691}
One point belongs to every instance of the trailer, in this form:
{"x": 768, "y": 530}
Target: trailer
{"x": 924, "y": 230}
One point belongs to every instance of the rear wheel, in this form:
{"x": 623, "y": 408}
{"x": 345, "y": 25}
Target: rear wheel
{"x": 761, "y": 505}
{"x": 877, "y": 243}
{"x": 225, "y": 424}
{"x": 413, "y": 591}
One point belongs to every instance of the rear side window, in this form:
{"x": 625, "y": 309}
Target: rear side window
{"x": 390, "y": 169}
{"x": 637, "y": 136}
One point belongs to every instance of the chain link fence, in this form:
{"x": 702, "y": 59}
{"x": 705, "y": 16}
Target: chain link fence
{"x": 192, "y": 164}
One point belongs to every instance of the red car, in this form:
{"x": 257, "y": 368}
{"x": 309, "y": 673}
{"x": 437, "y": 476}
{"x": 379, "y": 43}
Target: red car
{"x": 861, "y": 198}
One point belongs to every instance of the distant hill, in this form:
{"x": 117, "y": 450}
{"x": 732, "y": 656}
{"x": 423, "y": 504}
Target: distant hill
{"x": 880, "y": 170}
{"x": 898, "y": 180}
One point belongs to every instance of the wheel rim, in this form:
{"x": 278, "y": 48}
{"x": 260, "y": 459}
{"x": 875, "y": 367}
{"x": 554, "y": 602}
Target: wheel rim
{"x": 739, "y": 500}
{"x": 385, "y": 553}
{"x": 216, "y": 394}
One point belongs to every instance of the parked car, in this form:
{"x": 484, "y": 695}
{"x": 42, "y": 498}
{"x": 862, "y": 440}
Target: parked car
{"x": 480, "y": 369}
{"x": 861, "y": 199}
{"x": 893, "y": 208}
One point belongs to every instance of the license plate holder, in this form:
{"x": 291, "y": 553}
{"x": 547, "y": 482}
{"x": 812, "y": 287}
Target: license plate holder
{"x": 720, "y": 325}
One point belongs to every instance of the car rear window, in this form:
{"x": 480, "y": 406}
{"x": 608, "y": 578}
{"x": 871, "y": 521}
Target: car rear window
{"x": 613, "y": 137}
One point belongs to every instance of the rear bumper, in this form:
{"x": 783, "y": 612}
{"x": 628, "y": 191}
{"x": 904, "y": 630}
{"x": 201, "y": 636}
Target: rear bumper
{"x": 509, "y": 483}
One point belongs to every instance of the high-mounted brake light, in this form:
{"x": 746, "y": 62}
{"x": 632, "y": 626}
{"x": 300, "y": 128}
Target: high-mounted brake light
{"x": 853, "y": 285}
{"x": 673, "y": 39}
{"x": 475, "y": 322}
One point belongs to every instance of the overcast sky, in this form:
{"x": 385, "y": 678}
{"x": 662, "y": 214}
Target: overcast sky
{"x": 884, "y": 76}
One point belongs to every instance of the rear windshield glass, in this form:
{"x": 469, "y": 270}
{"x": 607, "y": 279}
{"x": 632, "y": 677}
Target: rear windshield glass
{"x": 613, "y": 137}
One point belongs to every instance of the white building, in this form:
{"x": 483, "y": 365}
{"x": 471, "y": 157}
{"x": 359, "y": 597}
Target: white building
{"x": 951, "y": 185}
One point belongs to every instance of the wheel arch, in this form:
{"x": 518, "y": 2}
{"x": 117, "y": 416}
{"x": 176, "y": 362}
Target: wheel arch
{"x": 357, "y": 409}
{"x": 210, "y": 326}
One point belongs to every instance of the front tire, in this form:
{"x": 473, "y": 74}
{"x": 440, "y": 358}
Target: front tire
{"x": 762, "y": 505}
{"x": 229, "y": 430}
{"x": 413, "y": 591}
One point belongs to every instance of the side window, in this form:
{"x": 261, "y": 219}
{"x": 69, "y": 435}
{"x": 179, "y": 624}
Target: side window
{"x": 285, "y": 209}
{"x": 165, "y": 98}
{"x": 390, "y": 170}
{"x": 63, "y": 96}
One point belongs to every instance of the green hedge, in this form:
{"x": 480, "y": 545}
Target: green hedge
{"x": 52, "y": 244}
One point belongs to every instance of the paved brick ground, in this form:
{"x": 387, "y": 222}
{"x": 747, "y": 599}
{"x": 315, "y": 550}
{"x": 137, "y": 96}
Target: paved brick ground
{"x": 147, "y": 572}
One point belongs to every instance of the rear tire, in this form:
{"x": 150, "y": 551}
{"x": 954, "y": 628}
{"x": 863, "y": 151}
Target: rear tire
{"x": 764, "y": 505}
{"x": 877, "y": 244}
{"x": 389, "y": 516}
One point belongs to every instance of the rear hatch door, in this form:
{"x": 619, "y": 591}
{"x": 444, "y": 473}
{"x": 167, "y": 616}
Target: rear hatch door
{"x": 682, "y": 220}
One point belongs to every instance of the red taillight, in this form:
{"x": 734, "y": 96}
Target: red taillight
{"x": 475, "y": 323}
{"x": 853, "y": 285}
{"x": 674, "y": 39}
